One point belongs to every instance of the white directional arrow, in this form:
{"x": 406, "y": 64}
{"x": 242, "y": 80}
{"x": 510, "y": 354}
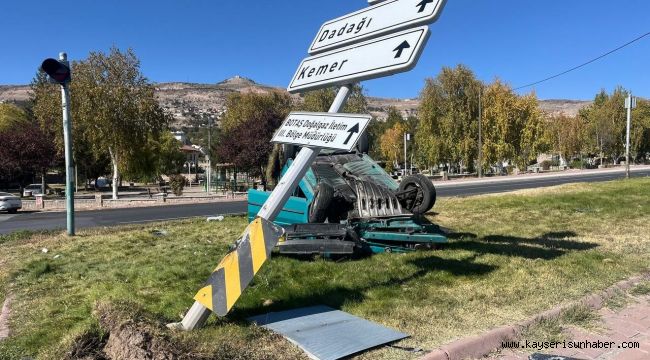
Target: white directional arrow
{"x": 374, "y": 58}
{"x": 380, "y": 19}
{"x": 322, "y": 130}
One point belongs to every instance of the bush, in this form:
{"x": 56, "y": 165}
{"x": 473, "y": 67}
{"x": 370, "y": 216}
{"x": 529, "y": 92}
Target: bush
{"x": 546, "y": 165}
{"x": 177, "y": 183}
{"x": 577, "y": 164}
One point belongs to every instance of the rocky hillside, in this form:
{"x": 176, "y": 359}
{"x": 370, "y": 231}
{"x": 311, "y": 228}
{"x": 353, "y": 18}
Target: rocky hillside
{"x": 193, "y": 104}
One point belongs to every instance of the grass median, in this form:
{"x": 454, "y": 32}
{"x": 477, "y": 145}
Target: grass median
{"x": 510, "y": 256}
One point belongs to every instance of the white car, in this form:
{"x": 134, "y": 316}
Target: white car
{"x": 10, "y": 203}
{"x": 34, "y": 189}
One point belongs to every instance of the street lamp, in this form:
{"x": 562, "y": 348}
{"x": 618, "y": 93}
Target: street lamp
{"x": 189, "y": 165}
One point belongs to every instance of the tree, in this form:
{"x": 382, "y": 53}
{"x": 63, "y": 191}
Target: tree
{"x": 26, "y": 151}
{"x": 513, "y": 129}
{"x": 606, "y": 124}
{"x": 448, "y": 114}
{"x": 567, "y": 135}
{"x": 11, "y": 116}
{"x": 640, "y": 134}
{"x": 158, "y": 156}
{"x": 114, "y": 111}
{"x": 321, "y": 100}
{"x": 391, "y": 144}
{"x": 377, "y": 128}
{"x": 247, "y": 127}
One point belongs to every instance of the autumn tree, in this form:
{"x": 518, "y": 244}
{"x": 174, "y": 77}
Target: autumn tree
{"x": 377, "y": 128}
{"x": 11, "y": 116}
{"x": 247, "y": 127}
{"x": 26, "y": 152}
{"x": 567, "y": 135}
{"x": 513, "y": 129}
{"x": 392, "y": 144}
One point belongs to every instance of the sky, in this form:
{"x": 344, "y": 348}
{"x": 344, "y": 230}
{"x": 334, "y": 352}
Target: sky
{"x": 207, "y": 41}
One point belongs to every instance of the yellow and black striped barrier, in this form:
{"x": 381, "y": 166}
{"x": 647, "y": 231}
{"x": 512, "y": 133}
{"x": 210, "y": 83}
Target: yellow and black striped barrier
{"x": 237, "y": 269}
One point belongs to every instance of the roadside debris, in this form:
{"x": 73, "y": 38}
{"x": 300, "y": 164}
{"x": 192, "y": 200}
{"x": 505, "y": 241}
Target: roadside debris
{"x": 159, "y": 232}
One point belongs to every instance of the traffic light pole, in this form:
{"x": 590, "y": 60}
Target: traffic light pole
{"x": 629, "y": 105}
{"x": 69, "y": 162}
{"x": 198, "y": 314}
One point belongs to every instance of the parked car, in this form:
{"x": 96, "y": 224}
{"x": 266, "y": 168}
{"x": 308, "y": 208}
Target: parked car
{"x": 34, "y": 189}
{"x": 10, "y": 203}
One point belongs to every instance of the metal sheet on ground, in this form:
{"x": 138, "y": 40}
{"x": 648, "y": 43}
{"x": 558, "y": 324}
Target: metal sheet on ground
{"x": 322, "y": 130}
{"x": 387, "y": 55}
{"x": 325, "y": 333}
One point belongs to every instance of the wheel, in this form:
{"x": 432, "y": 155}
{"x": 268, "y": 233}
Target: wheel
{"x": 322, "y": 200}
{"x": 363, "y": 145}
{"x": 425, "y": 196}
{"x": 12, "y": 211}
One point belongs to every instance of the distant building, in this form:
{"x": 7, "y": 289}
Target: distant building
{"x": 182, "y": 137}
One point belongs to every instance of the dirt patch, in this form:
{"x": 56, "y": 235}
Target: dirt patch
{"x": 4, "y": 318}
{"x": 133, "y": 336}
{"x": 126, "y": 334}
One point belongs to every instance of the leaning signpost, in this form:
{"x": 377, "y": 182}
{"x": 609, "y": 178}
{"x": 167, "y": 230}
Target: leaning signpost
{"x": 383, "y": 39}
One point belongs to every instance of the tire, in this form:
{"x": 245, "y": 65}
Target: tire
{"x": 425, "y": 197}
{"x": 322, "y": 200}
{"x": 12, "y": 211}
{"x": 363, "y": 145}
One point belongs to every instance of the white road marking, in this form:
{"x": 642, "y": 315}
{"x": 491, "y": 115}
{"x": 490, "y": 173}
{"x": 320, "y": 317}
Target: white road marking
{"x": 5, "y": 217}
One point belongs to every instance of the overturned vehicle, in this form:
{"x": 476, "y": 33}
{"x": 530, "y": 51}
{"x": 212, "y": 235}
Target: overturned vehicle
{"x": 347, "y": 204}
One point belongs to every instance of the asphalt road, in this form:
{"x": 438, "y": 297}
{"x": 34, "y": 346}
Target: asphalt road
{"x": 474, "y": 188}
{"x": 85, "y": 219}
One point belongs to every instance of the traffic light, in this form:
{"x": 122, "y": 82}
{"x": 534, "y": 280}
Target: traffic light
{"x": 58, "y": 71}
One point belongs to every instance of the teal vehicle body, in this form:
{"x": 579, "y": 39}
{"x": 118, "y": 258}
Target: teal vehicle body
{"x": 381, "y": 227}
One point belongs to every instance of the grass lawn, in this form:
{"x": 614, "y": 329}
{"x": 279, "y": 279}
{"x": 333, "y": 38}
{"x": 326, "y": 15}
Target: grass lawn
{"x": 510, "y": 256}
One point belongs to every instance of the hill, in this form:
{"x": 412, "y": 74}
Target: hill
{"x": 192, "y": 104}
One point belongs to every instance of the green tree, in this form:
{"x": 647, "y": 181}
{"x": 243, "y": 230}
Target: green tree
{"x": 158, "y": 156}
{"x": 640, "y": 134}
{"x": 321, "y": 100}
{"x": 114, "y": 110}
{"x": 448, "y": 113}
{"x": 606, "y": 124}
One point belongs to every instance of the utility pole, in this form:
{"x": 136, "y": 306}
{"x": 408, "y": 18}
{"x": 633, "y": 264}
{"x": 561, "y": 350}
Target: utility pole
{"x": 480, "y": 135}
{"x": 407, "y": 137}
{"x": 58, "y": 72}
{"x": 630, "y": 103}
{"x": 209, "y": 177}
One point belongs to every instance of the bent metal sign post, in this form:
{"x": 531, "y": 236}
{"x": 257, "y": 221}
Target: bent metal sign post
{"x": 378, "y": 41}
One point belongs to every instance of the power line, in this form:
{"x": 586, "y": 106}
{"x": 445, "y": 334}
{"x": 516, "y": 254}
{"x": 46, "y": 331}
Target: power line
{"x": 584, "y": 64}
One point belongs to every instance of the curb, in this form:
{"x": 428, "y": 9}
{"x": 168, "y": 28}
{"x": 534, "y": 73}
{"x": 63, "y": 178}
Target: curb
{"x": 4, "y": 318}
{"x": 476, "y": 347}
